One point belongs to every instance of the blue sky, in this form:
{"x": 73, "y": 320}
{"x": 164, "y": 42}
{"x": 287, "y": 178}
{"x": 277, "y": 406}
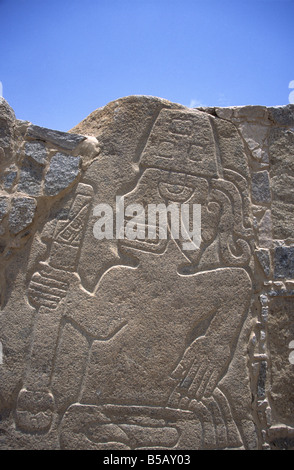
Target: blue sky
{"x": 62, "y": 59}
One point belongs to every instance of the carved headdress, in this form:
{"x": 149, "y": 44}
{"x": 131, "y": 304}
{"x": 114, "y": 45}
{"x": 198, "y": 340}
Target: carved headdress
{"x": 191, "y": 146}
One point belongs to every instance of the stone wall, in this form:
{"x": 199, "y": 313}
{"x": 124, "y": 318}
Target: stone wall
{"x": 129, "y": 344}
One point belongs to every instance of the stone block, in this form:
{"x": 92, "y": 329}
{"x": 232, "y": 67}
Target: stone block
{"x": 30, "y": 178}
{"x": 136, "y": 340}
{"x": 37, "y": 151}
{"x": 21, "y": 214}
{"x": 62, "y": 172}
{"x": 62, "y": 139}
{"x": 261, "y": 187}
{"x": 284, "y": 262}
{"x": 281, "y": 333}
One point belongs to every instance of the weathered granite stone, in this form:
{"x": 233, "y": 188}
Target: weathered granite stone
{"x": 5, "y": 134}
{"x": 281, "y": 438}
{"x": 284, "y": 262}
{"x": 30, "y": 178}
{"x": 282, "y": 115}
{"x": 63, "y": 170}
{"x": 254, "y": 134}
{"x": 37, "y": 151}
{"x": 7, "y": 119}
{"x": 133, "y": 340}
{"x": 263, "y": 256}
{"x": 9, "y": 179}
{"x": 22, "y": 213}
{"x": 4, "y": 205}
{"x": 281, "y": 153}
{"x": 265, "y": 230}
{"x": 261, "y": 187}
{"x": 231, "y": 147}
{"x": 281, "y": 332}
{"x": 251, "y": 113}
{"x": 61, "y": 139}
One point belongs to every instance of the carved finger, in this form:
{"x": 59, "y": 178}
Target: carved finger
{"x": 197, "y": 380}
{"x": 209, "y": 436}
{"x": 202, "y": 385}
{"x": 185, "y": 364}
{"x": 219, "y": 424}
{"x": 211, "y": 384}
{"x": 188, "y": 380}
{"x": 174, "y": 399}
{"x": 184, "y": 403}
{"x": 233, "y": 435}
{"x": 178, "y": 372}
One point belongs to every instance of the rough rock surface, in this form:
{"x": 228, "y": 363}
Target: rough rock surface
{"x": 141, "y": 343}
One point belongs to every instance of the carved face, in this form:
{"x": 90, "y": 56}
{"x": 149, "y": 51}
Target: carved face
{"x": 171, "y": 189}
{"x": 179, "y": 161}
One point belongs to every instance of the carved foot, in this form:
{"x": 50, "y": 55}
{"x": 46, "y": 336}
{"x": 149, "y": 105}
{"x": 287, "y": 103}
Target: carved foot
{"x": 115, "y": 427}
{"x": 34, "y": 410}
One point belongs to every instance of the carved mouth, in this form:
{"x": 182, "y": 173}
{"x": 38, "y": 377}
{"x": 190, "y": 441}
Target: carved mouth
{"x": 153, "y": 245}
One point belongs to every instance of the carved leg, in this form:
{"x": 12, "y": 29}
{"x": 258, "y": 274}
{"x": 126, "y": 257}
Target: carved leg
{"x": 35, "y": 404}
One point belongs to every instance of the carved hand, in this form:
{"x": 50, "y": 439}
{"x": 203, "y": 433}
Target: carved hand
{"x": 199, "y": 371}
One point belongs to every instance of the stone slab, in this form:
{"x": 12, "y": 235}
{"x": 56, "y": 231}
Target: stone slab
{"x": 62, "y": 139}
{"x": 138, "y": 340}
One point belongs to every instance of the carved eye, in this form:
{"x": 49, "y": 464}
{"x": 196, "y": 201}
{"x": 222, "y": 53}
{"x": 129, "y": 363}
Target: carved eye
{"x": 175, "y": 192}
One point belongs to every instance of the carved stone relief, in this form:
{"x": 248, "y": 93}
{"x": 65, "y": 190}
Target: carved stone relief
{"x": 141, "y": 343}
